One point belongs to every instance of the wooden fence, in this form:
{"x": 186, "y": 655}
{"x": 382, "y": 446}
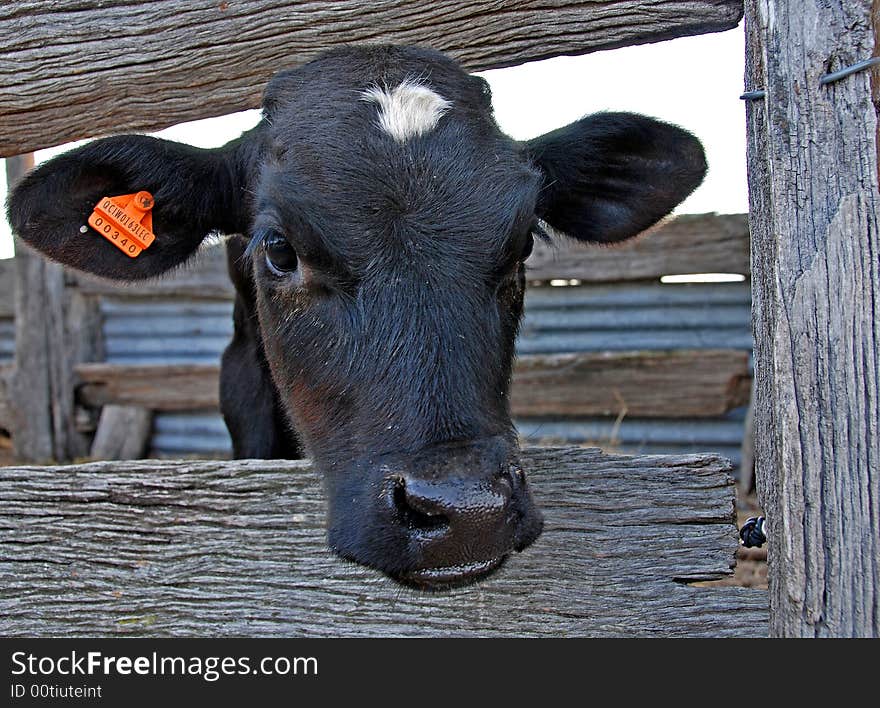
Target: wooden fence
{"x": 63, "y": 59}
{"x": 113, "y": 543}
{"x": 813, "y": 148}
{"x": 238, "y": 549}
{"x": 815, "y": 220}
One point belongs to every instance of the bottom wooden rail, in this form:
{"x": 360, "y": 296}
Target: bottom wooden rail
{"x": 183, "y": 548}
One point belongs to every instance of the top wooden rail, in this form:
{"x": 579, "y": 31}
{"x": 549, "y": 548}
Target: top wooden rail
{"x": 71, "y": 69}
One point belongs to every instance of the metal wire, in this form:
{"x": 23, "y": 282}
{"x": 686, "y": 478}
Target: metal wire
{"x": 846, "y": 71}
{"x": 753, "y": 95}
{"x": 758, "y": 94}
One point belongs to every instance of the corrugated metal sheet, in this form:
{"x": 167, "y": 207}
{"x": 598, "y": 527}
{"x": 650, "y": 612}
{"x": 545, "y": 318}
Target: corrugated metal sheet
{"x": 585, "y": 318}
{"x": 165, "y": 331}
{"x": 201, "y": 434}
{"x": 205, "y": 434}
{"x": 7, "y": 340}
{"x": 618, "y": 317}
{"x": 557, "y": 320}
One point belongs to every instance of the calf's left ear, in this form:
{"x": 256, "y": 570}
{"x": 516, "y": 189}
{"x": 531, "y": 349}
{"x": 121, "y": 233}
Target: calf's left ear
{"x": 609, "y": 176}
{"x": 195, "y": 192}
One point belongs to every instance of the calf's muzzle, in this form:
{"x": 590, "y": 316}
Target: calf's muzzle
{"x": 445, "y": 516}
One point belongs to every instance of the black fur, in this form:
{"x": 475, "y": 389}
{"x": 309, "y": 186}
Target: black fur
{"x": 389, "y": 348}
{"x": 612, "y": 175}
{"x": 248, "y": 399}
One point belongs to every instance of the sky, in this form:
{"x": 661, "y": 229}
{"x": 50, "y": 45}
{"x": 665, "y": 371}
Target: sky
{"x": 694, "y": 82}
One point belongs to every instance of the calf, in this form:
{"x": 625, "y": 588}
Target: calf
{"x": 380, "y": 221}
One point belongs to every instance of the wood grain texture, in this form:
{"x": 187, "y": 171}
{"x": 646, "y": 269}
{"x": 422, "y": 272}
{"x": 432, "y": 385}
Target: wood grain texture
{"x": 55, "y": 327}
{"x": 120, "y": 66}
{"x": 663, "y": 384}
{"x": 156, "y": 548}
{"x": 41, "y": 386}
{"x": 175, "y": 387}
{"x": 816, "y": 294}
{"x": 5, "y": 413}
{"x": 7, "y": 287}
{"x": 690, "y": 243}
{"x": 676, "y": 384}
{"x": 123, "y": 433}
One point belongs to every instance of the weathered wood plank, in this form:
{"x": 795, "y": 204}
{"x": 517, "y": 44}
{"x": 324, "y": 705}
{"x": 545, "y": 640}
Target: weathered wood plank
{"x": 54, "y": 328}
{"x": 690, "y": 243}
{"x": 5, "y": 413}
{"x": 120, "y": 66}
{"x": 31, "y": 390}
{"x": 205, "y": 276}
{"x": 816, "y": 288}
{"x": 7, "y": 287}
{"x": 48, "y": 331}
{"x": 157, "y": 387}
{"x": 123, "y": 433}
{"x": 676, "y": 384}
{"x": 217, "y": 549}
{"x": 747, "y": 449}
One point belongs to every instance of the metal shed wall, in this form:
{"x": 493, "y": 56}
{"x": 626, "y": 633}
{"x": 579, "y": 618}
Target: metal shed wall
{"x": 569, "y": 319}
{"x": 7, "y": 340}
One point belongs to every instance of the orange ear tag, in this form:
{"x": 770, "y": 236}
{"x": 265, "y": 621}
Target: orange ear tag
{"x": 125, "y": 221}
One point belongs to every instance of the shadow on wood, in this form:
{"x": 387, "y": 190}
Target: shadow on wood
{"x": 161, "y": 548}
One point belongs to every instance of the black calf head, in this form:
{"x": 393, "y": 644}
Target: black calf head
{"x": 388, "y": 219}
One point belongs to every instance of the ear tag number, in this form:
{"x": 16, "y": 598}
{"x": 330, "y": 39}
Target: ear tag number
{"x": 125, "y": 221}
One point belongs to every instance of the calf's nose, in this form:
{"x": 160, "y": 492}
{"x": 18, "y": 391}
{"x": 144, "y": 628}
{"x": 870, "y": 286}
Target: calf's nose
{"x": 462, "y": 507}
{"x": 457, "y": 508}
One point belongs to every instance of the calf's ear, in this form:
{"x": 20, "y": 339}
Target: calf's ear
{"x": 609, "y": 176}
{"x": 195, "y": 192}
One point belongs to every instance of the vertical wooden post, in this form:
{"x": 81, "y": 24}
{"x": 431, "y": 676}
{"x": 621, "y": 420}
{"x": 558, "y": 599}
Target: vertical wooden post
{"x": 816, "y": 299}
{"x": 29, "y": 389}
{"x": 53, "y": 329}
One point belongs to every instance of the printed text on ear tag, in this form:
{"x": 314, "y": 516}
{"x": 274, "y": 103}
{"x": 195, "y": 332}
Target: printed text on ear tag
{"x": 125, "y": 221}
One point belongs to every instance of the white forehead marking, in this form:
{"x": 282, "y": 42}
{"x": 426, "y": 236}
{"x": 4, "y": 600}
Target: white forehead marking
{"x": 409, "y": 110}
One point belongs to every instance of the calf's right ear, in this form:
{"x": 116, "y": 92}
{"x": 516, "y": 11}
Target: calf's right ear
{"x": 195, "y": 191}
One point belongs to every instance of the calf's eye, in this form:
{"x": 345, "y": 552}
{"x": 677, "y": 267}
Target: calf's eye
{"x": 280, "y": 256}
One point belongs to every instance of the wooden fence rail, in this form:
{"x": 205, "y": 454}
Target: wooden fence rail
{"x": 120, "y": 66}
{"x": 690, "y": 243}
{"x": 651, "y": 384}
{"x": 661, "y": 384}
{"x": 156, "y": 548}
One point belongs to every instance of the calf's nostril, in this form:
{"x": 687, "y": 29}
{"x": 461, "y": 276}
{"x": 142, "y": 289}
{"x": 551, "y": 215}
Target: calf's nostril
{"x": 416, "y": 511}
